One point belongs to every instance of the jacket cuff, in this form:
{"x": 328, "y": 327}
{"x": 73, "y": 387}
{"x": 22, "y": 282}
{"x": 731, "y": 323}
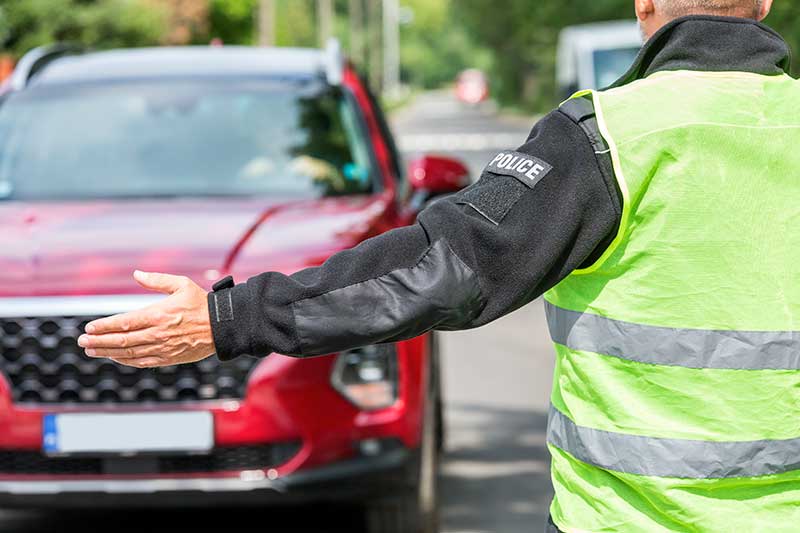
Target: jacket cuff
{"x": 231, "y": 318}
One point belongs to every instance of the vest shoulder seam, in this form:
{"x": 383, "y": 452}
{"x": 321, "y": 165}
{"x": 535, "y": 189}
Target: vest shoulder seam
{"x": 667, "y": 75}
{"x": 708, "y": 124}
{"x": 621, "y": 182}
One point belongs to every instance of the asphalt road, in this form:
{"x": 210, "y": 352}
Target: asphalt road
{"x": 497, "y": 380}
{"x": 495, "y": 476}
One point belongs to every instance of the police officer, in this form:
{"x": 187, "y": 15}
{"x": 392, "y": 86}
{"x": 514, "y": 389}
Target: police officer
{"x": 660, "y": 219}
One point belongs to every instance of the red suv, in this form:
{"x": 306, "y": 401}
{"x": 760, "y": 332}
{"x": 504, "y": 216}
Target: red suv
{"x": 204, "y": 162}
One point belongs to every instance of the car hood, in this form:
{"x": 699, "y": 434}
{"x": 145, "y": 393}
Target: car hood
{"x": 78, "y": 248}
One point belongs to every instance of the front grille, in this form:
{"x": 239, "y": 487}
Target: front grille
{"x": 237, "y": 458}
{"x": 44, "y": 364}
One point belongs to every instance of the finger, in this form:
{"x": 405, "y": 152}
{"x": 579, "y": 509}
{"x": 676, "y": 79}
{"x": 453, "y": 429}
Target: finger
{"x": 132, "y": 321}
{"x": 135, "y": 352}
{"x": 166, "y": 283}
{"x": 142, "y": 362}
{"x": 118, "y": 340}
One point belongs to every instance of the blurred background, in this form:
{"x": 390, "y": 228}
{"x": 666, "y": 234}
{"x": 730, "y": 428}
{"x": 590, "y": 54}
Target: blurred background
{"x": 409, "y": 44}
{"x": 457, "y": 78}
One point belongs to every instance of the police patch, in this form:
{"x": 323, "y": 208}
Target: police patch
{"x": 526, "y": 168}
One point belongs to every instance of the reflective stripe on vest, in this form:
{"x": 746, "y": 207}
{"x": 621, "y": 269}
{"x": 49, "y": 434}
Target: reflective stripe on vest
{"x": 678, "y": 458}
{"x": 690, "y": 348}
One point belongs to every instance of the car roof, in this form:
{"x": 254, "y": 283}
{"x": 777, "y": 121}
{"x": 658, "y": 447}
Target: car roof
{"x": 603, "y": 34}
{"x": 133, "y": 63}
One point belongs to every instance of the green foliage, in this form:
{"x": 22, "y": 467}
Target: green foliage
{"x": 435, "y": 47}
{"x": 435, "y": 44}
{"x": 783, "y": 19}
{"x": 296, "y": 23}
{"x": 96, "y": 23}
{"x": 523, "y": 36}
{"x": 515, "y": 40}
{"x": 233, "y": 21}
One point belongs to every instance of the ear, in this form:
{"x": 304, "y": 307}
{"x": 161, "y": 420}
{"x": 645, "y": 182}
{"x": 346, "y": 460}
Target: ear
{"x": 644, "y": 9}
{"x": 766, "y": 5}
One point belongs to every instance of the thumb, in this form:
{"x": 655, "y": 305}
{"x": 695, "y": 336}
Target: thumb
{"x": 166, "y": 283}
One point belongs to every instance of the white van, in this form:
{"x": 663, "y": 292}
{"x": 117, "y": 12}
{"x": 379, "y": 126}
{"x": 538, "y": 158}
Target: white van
{"x": 593, "y": 56}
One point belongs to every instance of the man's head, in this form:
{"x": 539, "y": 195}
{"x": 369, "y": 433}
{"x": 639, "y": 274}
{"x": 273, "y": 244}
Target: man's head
{"x": 653, "y": 14}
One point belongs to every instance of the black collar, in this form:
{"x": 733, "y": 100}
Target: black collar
{"x": 709, "y": 43}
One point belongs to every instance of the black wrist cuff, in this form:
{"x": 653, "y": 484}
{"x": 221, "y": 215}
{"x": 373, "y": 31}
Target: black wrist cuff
{"x": 228, "y": 309}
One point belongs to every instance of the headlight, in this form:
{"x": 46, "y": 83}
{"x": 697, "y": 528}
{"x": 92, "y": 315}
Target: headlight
{"x": 367, "y": 376}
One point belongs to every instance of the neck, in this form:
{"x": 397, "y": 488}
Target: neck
{"x": 708, "y": 43}
{"x": 737, "y": 12}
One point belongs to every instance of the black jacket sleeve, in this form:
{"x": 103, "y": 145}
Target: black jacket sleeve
{"x": 470, "y": 259}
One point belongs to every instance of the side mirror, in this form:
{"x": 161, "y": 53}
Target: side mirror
{"x": 433, "y": 175}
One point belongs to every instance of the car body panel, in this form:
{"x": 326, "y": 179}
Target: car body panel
{"x": 91, "y": 247}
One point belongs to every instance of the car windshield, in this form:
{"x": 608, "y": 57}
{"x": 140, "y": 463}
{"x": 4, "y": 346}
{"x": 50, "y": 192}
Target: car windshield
{"x": 612, "y": 63}
{"x": 181, "y": 138}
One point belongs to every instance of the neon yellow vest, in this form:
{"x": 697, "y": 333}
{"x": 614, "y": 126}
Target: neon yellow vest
{"x": 676, "y": 399}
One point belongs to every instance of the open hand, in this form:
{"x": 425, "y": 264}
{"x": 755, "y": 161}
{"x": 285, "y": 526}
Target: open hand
{"x": 173, "y": 331}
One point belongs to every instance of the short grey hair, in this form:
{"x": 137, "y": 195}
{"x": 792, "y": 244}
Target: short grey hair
{"x": 679, "y": 8}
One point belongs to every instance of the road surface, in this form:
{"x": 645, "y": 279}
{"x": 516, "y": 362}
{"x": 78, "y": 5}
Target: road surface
{"x": 495, "y": 476}
{"x": 497, "y": 381}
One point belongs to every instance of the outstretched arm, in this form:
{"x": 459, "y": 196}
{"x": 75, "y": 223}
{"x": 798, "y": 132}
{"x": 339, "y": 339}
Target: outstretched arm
{"x": 536, "y": 214}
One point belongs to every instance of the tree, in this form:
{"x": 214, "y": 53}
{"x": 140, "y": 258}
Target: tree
{"x": 436, "y": 46}
{"x": 95, "y": 23}
{"x": 186, "y": 20}
{"x": 233, "y": 21}
{"x": 523, "y": 36}
{"x": 296, "y": 23}
{"x": 783, "y": 18}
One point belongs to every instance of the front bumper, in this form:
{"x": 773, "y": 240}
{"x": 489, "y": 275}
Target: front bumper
{"x": 353, "y": 480}
{"x": 286, "y": 400}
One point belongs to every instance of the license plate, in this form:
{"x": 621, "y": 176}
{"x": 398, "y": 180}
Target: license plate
{"x": 128, "y": 432}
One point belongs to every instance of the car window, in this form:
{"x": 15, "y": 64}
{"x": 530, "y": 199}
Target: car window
{"x": 182, "y": 138}
{"x": 610, "y": 64}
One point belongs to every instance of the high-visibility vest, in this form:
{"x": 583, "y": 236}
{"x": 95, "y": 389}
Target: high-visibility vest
{"x": 676, "y": 398}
